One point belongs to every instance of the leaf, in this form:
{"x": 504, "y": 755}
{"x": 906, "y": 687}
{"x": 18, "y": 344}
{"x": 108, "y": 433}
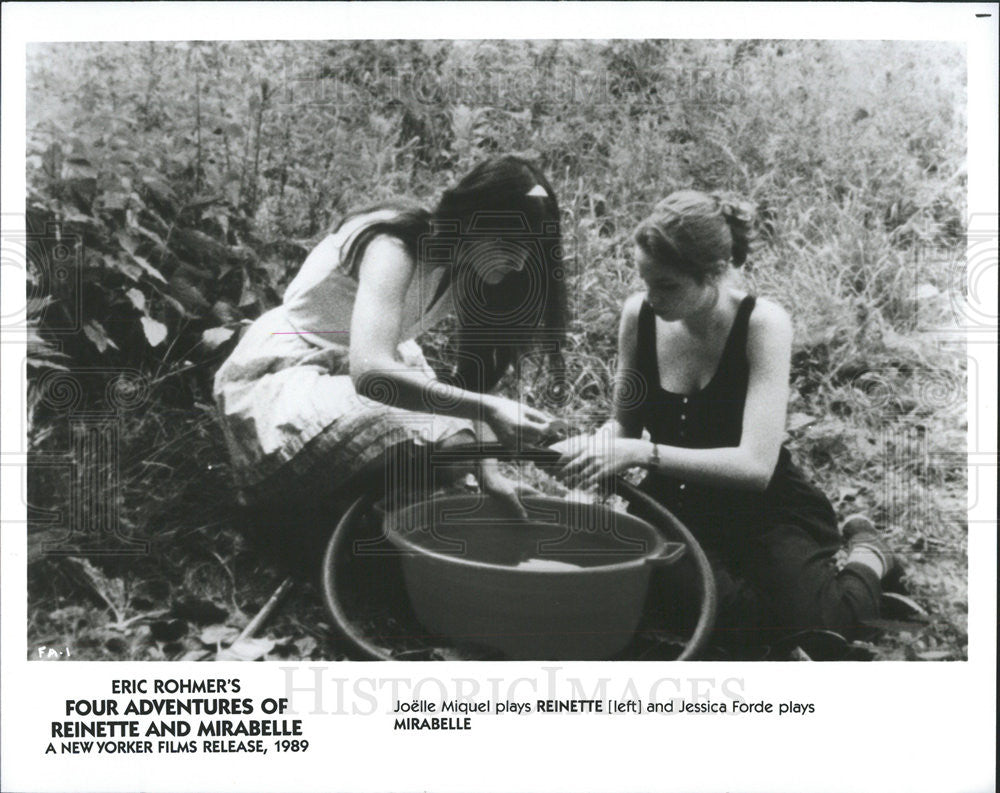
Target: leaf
{"x": 153, "y": 236}
{"x": 198, "y": 202}
{"x": 155, "y": 331}
{"x": 115, "y": 202}
{"x": 176, "y": 305}
{"x": 213, "y": 337}
{"x": 215, "y": 635}
{"x": 87, "y": 222}
{"x": 188, "y": 294}
{"x": 935, "y": 655}
{"x": 797, "y": 421}
{"x": 927, "y": 292}
{"x": 160, "y": 190}
{"x": 195, "y": 655}
{"x": 80, "y": 168}
{"x": 127, "y": 242}
{"x": 127, "y": 269}
{"x": 137, "y": 298}
{"x": 246, "y": 650}
{"x": 199, "y": 248}
{"x": 225, "y": 313}
{"x": 148, "y": 268}
{"x": 306, "y": 646}
{"x": 94, "y": 331}
{"x": 46, "y": 363}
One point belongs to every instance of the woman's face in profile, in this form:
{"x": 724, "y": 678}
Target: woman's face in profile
{"x": 671, "y": 294}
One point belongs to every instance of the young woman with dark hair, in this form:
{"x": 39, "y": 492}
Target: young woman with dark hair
{"x": 704, "y": 370}
{"x": 321, "y": 388}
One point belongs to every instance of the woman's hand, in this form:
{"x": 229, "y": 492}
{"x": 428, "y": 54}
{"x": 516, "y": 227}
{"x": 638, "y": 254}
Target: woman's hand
{"x": 590, "y": 459}
{"x": 511, "y": 421}
{"x": 508, "y": 492}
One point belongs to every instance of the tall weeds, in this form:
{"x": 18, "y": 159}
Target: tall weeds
{"x": 191, "y": 179}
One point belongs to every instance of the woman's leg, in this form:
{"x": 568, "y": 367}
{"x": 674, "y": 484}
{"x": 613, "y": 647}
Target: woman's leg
{"x": 801, "y": 588}
{"x": 674, "y": 601}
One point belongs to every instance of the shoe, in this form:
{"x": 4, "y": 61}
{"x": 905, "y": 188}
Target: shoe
{"x": 859, "y": 530}
{"x": 895, "y": 606}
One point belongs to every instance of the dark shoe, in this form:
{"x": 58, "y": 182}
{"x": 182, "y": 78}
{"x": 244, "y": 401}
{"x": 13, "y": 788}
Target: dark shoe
{"x": 895, "y": 606}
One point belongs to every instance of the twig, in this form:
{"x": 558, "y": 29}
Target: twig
{"x": 148, "y": 615}
{"x": 197, "y": 123}
{"x": 225, "y": 567}
{"x": 311, "y": 631}
{"x": 266, "y": 611}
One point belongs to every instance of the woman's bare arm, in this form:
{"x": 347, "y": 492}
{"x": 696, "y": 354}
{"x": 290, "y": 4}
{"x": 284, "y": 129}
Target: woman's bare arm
{"x": 748, "y": 466}
{"x": 751, "y": 464}
{"x": 624, "y": 421}
{"x": 383, "y": 278}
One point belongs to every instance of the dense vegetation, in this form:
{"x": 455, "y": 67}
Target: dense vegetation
{"x": 173, "y": 190}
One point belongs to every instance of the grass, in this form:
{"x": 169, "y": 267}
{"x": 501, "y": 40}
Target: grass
{"x": 852, "y": 152}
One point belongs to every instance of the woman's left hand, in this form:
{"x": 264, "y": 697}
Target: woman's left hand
{"x": 508, "y": 491}
{"x": 590, "y": 459}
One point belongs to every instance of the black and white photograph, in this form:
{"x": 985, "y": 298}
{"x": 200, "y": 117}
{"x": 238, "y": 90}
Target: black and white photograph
{"x": 532, "y": 348}
{"x": 271, "y": 284}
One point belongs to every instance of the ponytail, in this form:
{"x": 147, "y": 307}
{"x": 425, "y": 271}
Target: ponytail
{"x": 738, "y": 215}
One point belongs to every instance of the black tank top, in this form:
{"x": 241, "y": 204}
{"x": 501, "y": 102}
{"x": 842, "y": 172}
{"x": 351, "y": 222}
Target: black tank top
{"x": 712, "y": 418}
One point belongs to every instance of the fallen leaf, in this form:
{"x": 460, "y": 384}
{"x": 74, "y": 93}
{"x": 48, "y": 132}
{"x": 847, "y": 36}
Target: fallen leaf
{"x": 195, "y": 655}
{"x": 246, "y": 650}
{"x": 214, "y": 635}
{"x": 797, "y": 421}
{"x": 306, "y": 645}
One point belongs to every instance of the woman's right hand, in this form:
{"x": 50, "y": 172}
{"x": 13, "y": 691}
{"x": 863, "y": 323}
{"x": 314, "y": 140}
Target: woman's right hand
{"x": 511, "y": 421}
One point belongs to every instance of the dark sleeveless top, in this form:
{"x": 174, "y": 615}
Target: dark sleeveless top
{"x": 713, "y": 418}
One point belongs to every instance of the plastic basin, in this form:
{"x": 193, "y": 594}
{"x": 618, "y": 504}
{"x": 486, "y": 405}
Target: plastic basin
{"x": 569, "y": 583}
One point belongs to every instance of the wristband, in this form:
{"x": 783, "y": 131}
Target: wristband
{"x": 654, "y": 458}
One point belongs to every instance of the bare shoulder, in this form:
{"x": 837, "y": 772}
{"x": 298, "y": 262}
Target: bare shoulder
{"x": 386, "y": 259}
{"x": 769, "y": 342}
{"x": 386, "y": 247}
{"x": 628, "y": 329}
{"x": 630, "y": 311}
{"x": 770, "y": 318}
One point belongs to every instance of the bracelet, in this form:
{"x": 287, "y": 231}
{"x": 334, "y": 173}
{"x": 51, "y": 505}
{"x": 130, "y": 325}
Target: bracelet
{"x": 654, "y": 458}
